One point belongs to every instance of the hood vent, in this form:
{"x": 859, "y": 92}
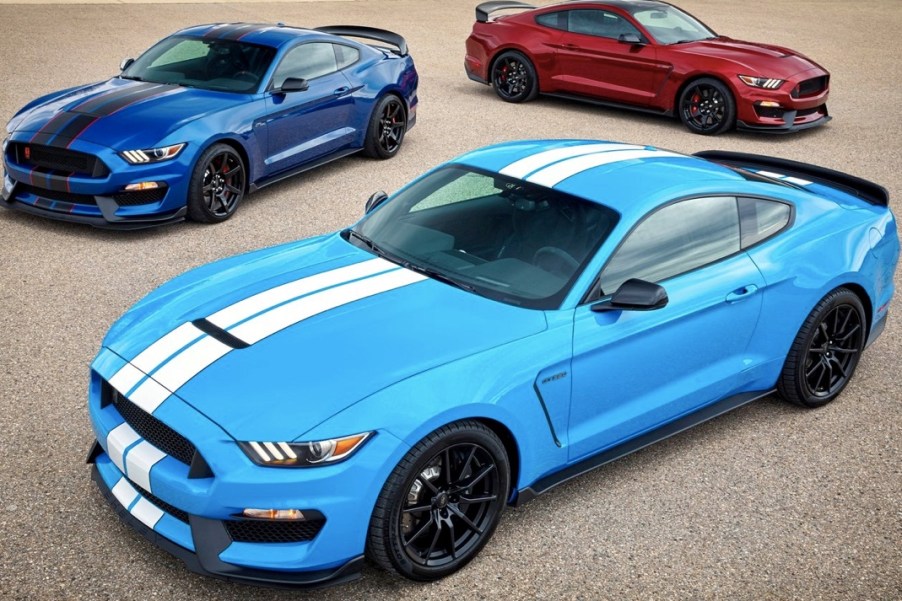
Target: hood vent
{"x": 219, "y": 334}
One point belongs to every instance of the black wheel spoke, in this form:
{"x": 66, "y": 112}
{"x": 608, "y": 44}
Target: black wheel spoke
{"x": 475, "y": 500}
{"x": 467, "y": 521}
{"x": 420, "y": 532}
{"x": 835, "y": 362}
{"x": 438, "y": 534}
{"x": 810, "y": 372}
{"x": 417, "y": 509}
{"x": 848, "y": 334}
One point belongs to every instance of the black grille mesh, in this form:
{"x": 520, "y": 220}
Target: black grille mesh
{"x": 810, "y": 87}
{"x": 60, "y": 159}
{"x": 273, "y": 531}
{"x": 173, "y": 511}
{"x": 153, "y": 430}
{"x": 80, "y": 199}
{"x": 140, "y": 197}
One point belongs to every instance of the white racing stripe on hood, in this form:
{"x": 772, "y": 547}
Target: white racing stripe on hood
{"x": 154, "y": 355}
{"x": 555, "y": 174}
{"x": 268, "y": 299}
{"x": 286, "y": 315}
{"x": 524, "y": 167}
{"x": 206, "y": 350}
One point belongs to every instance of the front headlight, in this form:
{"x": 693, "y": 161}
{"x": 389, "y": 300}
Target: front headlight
{"x": 152, "y": 155}
{"x": 762, "y": 82}
{"x": 303, "y": 454}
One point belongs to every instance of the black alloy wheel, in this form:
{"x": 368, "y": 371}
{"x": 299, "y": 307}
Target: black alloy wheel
{"x": 441, "y": 504}
{"x": 217, "y": 185}
{"x": 707, "y": 107}
{"x": 514, "y": 77}
{"x": 826, "y": 351}
{"x": 386, "y": 129}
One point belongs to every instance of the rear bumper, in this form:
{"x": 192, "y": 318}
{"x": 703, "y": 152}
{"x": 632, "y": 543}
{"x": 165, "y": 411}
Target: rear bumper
{"x": 210, "y": 539}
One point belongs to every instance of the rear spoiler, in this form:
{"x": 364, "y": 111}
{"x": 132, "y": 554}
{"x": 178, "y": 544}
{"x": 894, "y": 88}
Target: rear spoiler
{"x": 368, "y": 33}
{"x": 486, "y": 8}
{"x": 868, "y": 191}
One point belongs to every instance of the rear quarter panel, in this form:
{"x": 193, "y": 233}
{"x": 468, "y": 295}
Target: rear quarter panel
{"x": 520, "y": 33}
{"x": 826, "y": 247}
{"x": 377, "y": 74}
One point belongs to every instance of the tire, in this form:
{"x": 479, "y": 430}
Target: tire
{"x": 707, "y": 107}
{"x": 422, "y": 528}
{"x": 217, "y": 184}
{"x": 386, "y": 129}
{"x": 514, "y": 77}
{"x": 825, "y": 352}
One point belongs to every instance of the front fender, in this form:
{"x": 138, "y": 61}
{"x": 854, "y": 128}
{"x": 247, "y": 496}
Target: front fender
{"x": 496, "y": 386}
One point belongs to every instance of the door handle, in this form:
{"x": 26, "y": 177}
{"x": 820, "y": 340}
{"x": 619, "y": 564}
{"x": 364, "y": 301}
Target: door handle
{"x": 742, "y": 293}
{"x": 569, "y": 46}
{"x": 341, "y": 90}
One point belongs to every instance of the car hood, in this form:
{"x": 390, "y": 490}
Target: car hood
{"x": 759, "y": 59}
{"x": 344, "y": 347}
{"x": 121, "y": 114}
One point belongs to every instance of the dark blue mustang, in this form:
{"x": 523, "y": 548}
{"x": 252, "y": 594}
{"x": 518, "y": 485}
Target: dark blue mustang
{"x": 206, "y": 116}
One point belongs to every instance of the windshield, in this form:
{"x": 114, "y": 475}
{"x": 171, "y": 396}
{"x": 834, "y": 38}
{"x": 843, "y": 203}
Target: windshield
{"x": 670, "y": 25}
{"x": 222, "y": 65}
{"x": 492, "y": 235}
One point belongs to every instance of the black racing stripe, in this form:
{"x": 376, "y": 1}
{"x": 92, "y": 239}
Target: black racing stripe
{"x": 239, "y": 32}
{"x": 48, "y": 130}
{"x": 118, "y": 104}
{"x": 93, "y": 102}
{"x": 222, "y": 28}
{"x": 71, "y": 130}
{"x": 56, "y": 182}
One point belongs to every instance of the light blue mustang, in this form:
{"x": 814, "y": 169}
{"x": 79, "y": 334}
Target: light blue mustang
{"x": 511, "y": 319}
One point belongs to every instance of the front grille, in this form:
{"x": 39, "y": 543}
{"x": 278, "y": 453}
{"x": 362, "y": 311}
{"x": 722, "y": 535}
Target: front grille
{"x": 810, "y": 87}
{"x": 273, "y": 531}
{"x": 173, "y": 511}
{"x": 79, "y": 199}
{"x": 153, "y": 430}
{"x": 140, "y": 197}
{"x": 58, "y": 159}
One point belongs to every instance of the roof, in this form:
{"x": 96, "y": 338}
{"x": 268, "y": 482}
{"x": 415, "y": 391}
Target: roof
{"x": 624, "y": 4}
{"x": 625, "y": 177}
{"x": 265, "y": 34}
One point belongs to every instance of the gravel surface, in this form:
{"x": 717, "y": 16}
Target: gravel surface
{"x": 768, "y": 502}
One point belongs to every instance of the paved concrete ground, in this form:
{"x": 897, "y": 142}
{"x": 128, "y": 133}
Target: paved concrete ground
{"x": 769, "y": 502}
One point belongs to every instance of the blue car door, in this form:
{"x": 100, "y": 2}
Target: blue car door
{"x": 636, "y": 370}
{"x": 305, "y": 125}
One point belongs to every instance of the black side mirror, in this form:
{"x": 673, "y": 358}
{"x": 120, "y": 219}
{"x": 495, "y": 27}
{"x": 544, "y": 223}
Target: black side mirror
{"x": 634, "y": 295}
{"x": 294, "y": 84}
{"x": 126, "y": 63}
{"x": 629, "y": 38}
{"x": 375, "y": 200}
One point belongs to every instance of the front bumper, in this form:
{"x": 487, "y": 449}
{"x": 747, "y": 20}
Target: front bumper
{"x": 210, "y": 540}
{"x": 196, "y": 509}
{"x": 98, "y": 199}
{"x": 782, "y": 111}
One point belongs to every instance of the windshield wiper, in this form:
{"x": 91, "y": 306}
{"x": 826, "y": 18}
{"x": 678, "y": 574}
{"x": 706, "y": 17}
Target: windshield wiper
{"x": 131, "y": 77}
{"x": 435, "y": 275}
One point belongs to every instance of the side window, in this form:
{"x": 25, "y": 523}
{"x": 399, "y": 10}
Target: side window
{"x": 600, "y": 23}
{"x": 761, "y": 219}
{"x": 555, "y": 20}
{"x": 306, "y": 62}
{"x": 674, "y": 240}
{"x": 346, "y": 55}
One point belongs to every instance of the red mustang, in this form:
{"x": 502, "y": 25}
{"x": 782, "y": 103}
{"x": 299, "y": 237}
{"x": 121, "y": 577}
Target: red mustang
{"x": 646, "y": 55}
